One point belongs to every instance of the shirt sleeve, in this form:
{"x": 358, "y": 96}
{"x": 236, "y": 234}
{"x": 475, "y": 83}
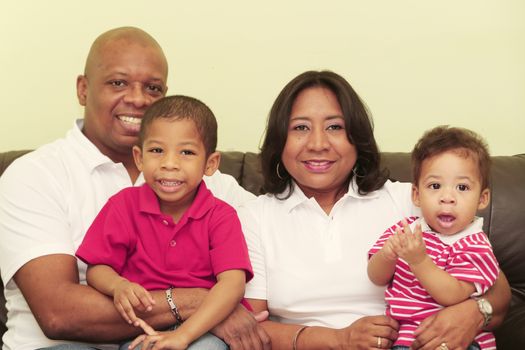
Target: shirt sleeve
{"x": 228, "y": 250}
{"x": 107, "y": 240}
{"x": 250, "y": 214}
{"x": 472, "y": 260}
{"x": 33, "y": 215}
{"x": 226, "y": 188}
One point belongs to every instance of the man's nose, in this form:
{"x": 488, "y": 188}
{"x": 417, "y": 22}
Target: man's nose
{"x": 137, "y": 96}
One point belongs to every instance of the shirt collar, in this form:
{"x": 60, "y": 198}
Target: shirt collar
{"x": 90, "y": 154}
{"x": 202, "y": 203}
{"x": 298, "y": 197}
{"x": 475, "y": 226}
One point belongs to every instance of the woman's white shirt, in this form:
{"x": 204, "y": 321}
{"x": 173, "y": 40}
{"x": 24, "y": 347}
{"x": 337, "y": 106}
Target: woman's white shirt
{"x": 311, "y": 267}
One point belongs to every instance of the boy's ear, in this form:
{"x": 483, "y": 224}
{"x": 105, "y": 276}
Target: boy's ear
{"x": 82, "y": 89}
{"x": 415, "y": 195}
{"x": 137, "y": 156}
{"x": 212, "y": 163}
{"x": 484, "y": 199}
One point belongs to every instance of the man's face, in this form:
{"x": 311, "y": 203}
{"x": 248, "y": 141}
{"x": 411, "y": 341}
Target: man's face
{"x": 122, "y": 80}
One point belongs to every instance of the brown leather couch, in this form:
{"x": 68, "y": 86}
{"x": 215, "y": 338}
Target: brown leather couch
{"x": 504, "y": 223}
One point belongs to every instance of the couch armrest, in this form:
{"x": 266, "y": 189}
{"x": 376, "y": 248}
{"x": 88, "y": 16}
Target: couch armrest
{"x": 511, "y": 334}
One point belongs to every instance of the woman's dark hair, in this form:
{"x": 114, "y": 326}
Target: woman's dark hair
{"x": 358, "y": 124}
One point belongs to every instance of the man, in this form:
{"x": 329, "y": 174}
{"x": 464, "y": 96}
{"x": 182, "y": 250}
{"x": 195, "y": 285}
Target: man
{"x": 49, "y": 197}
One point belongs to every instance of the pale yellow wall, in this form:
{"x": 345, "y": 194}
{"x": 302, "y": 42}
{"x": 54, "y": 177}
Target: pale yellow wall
{"x": 415, "y": 63}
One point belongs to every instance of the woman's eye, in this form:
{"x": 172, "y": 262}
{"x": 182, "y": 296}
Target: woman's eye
{"x": 335, "y": 127}
{"x": 300, "y": 127}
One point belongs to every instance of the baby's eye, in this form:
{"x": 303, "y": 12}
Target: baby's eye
{"x": 463, "y": 187}
{"x": 434, "y": 186}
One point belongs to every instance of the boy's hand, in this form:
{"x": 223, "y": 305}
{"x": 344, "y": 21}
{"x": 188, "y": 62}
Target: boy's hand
{"x": 129, "y": 296}
{"x": 409, "y": 245}
{"x": 159, "y": 340}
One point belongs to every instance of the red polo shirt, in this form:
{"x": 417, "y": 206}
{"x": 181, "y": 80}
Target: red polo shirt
{"x": 140, "y": 243}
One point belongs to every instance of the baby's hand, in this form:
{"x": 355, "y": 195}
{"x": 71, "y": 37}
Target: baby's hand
{"x": 388, "y": 249}
{"x": 128, "y": 297}
{"x": 409, "y": 245}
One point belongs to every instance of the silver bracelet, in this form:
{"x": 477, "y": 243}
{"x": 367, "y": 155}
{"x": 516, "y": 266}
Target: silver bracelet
{"x": 296, "y": 336}
{"x": 173, "y": 307}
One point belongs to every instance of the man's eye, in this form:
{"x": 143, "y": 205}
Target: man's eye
{"x": 156, "y": 89}
{"x": 117, "y": 83}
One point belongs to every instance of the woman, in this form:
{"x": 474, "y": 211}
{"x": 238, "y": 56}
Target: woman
{"x": 327, "y": 203}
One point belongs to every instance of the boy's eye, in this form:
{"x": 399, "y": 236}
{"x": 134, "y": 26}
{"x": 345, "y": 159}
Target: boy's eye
{"x": 155, "y": 150}
{"x": 187, "y": 152}
{"x": 434, "y": 186}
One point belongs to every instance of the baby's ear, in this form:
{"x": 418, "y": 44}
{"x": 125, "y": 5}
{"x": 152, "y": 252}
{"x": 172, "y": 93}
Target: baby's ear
{"x": 212, "y": 163}
{"x": 484, "y": 199}
{"x": 415, "y": 195}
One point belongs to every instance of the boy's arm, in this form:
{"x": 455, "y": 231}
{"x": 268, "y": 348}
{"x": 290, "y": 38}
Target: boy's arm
{"x": 103, "y": 278}
{"x": 221, "y": 300}
{"x": 128, "y": 297}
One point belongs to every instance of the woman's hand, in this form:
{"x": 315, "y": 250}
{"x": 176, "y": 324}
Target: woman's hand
{"x": 456, "y": 326}
{"x": 371, "y": 332}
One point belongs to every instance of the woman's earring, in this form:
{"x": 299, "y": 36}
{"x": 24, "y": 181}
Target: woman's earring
{"x": 354, "y": 170}
{"x": 277, "y": 171}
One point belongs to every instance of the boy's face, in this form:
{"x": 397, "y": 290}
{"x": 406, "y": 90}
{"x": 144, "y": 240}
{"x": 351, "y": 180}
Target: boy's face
{"x": 449, "y": 192}
{"x": 173, "y": 160}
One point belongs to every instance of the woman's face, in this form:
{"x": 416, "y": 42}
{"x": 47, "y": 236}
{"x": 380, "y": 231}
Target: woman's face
{"x": 317, "y": 153}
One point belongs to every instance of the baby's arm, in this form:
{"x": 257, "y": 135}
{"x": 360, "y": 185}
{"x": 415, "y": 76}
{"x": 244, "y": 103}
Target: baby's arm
{"x": 444, "y": 288}
{"x": 126, "y": 295}
{"x": 222, "y": 299}
{"x": 382, "y": 265}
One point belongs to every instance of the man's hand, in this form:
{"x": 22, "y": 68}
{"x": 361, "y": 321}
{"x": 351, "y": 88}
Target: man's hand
{"x": 455, "y": 326}
{"x": 241, "y": 330}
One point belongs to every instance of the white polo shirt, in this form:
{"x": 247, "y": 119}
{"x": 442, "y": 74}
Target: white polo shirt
{"x": 48, "y": 199}
{"x": 312, "y": 267}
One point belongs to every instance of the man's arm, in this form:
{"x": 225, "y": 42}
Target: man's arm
{"x": 67, "y": 310}
{"x": 460, "y": 323}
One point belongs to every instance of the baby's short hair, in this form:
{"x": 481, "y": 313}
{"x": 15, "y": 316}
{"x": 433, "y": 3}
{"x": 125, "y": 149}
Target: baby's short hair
{"x": 464, "y": 142}
{"x": 183, "y": 107}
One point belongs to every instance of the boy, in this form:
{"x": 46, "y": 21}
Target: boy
{"x": 444, "y": 257}
{"x": 171, "y": 231}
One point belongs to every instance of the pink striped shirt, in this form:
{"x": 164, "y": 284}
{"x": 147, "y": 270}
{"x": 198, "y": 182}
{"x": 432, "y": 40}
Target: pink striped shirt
{"x": 466, "y": 255}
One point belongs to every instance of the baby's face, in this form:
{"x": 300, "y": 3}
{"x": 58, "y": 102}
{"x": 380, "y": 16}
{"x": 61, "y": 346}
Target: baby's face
{"x": 449, "y": 192}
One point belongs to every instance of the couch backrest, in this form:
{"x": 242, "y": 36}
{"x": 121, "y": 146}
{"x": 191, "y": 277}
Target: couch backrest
{"x": 504, "y": 218}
